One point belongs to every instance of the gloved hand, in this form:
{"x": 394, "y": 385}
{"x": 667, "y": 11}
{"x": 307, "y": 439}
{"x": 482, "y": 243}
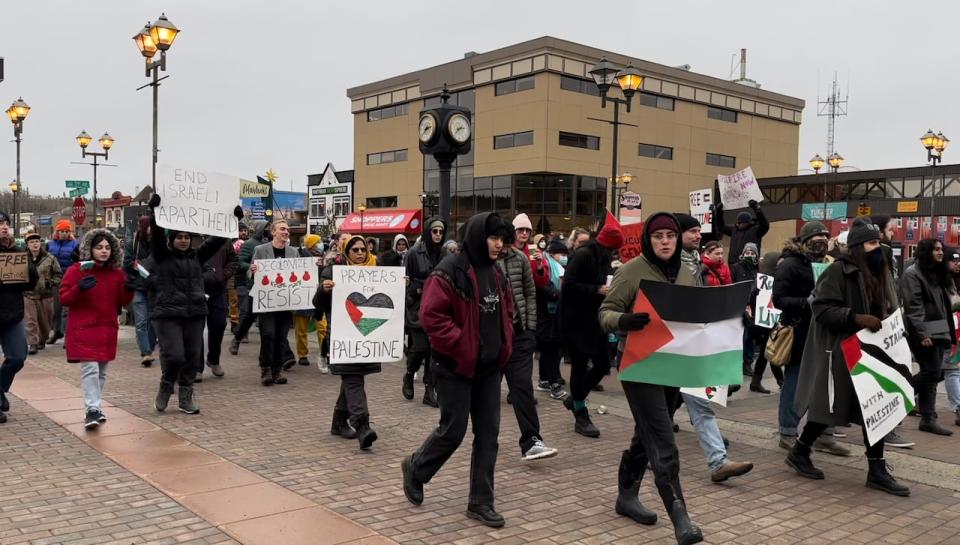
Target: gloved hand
{"x": 87, "y": 282}
{"x": 634, "y": 321}
{"x": 238, "y": 212}
{"x": 753, "y": 204}
{"x": 154, "y": 201}
{"x": 717, "y": 207}
{"x": 866, "y": 321}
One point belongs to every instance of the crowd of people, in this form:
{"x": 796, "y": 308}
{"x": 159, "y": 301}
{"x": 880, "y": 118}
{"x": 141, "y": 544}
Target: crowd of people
{"x": 481, "y": 307}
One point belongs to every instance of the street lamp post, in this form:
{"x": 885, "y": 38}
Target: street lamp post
{"x": 834, "y": 160}
{"x": 361, "y": 208}
{"x": 816, "y": 164}
{"x": 625, "y": 179}
{"x": 17, "y": 112}
{"x": 106, "y": 142}
{"x": 629, "y": 79}
{"x": 935, "y": 145}
{"x": 158, "y": 36}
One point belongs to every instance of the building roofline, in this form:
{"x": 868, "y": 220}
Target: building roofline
{"x": 860, "y": 176}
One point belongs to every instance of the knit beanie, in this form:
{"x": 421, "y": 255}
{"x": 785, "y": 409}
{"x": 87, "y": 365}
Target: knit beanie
{"x": 611, "y": 235}
{"x": 557, "y": 246}
{"x": 522, "y": 222}
{"x": 663, "y": 221}
{"x": 863, "y": 230}
{"x": 311, "y": 240}
{"x": 63, "y": 225}
{"x": 686, "y": 221}
{"x": 750, "y": 246}
{"x": 768, "y": 265}
{"x": 812, "y": 229}
{"x": 744, "y": 217}
{"x": 5, "y": 218}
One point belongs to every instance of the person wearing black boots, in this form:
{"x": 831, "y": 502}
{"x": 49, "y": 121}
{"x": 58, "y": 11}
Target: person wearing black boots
{"x": 855, "y": 292}
{"x": 422, "y": 258}
{"x": 768, "y": 266}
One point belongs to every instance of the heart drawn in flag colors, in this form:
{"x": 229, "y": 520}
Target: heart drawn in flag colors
{"x": 368, "y": 314}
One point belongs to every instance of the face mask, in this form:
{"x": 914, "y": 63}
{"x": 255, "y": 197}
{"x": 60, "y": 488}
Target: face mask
{"x": 875, "y": 260}
{"x": 817, "y": 248}
{"x": 562, "y": 260}
{"x": 749, "y": 259}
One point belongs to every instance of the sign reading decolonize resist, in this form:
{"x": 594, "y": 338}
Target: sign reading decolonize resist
{"x": 197, "y": 201}
{"x": 284, "y": 284}
{"x": 367, "y": 314}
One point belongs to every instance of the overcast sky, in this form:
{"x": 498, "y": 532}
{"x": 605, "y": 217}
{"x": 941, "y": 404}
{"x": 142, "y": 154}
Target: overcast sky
{"x": 258, "y": 85}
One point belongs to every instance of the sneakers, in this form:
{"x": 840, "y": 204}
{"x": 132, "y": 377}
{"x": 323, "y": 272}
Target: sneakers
{"x": 830, "y": 446}
{"x": 839, "y": 432}
{"x": 32, "y": 350}
{"x": 186, "y": 403}
{"x": 146, "y": 360}
{"x": 544, "y": 386}
{"x": 486, "y": 515}
{"x": 101, "y": 417}
{"x": 92, "y": 420}
{"x": 323, "y": 365}
{"x": 557, "y": 392}
{"x": 730, "y": 469}
{"x": 538, "y": 451}
{"x": 303, "y": 361}
{"x": 215, "y": 369}
{"x": 894, "y": 440}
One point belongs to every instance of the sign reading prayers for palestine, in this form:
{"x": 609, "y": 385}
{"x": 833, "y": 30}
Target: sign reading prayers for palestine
{"x": 284, "y": 284}
{"x": 197, "y": 201}
{"x": 367, "y": 314}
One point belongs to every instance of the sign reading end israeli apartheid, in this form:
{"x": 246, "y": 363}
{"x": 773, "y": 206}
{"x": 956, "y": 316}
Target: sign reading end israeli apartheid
{"x": 367, "y": 314}
{"x": 197, "y": 201}
{"x": 884, "y": 393}
{"x": 738, "y": 189}
{"x": 14, "y": 268}
{"x": 284, "y": 284}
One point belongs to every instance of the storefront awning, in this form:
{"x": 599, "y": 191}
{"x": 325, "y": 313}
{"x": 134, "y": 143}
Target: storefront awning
{"x": 383, "y": 221}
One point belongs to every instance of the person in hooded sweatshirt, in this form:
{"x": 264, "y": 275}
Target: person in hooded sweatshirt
{"x": 745, "y": 270}
{"x": 420, "y": 262}
{"x": 394, "y": 257}
{"x": 467, "y": 312}
{"x": 747, "y": 229}
{"x": 261, "y": 235}
{"x": 13, "y": 339}
{"x": 136, "y": 259}
{"x": 653, "y": 440}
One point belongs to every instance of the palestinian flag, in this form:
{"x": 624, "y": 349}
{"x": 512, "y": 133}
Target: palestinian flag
{"x": 955, "y": 349}
{"x": 694, "y": 338}
{"x": 368, "y": 314}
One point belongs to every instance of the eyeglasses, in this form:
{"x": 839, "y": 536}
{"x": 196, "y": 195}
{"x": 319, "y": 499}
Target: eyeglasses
{"x": 660, "y": 237}
{"x": 358, "y": 250}
{"x": 524, "y": 230}
{"x": 437, "y": 231}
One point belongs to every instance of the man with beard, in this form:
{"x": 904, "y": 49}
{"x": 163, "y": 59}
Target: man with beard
{"x": 421, "y": 260}
{"x": 13, "y": 339}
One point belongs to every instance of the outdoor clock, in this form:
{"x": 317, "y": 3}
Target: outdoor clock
{"x": 428, "y": 127}
{"x": 458, "y": 126}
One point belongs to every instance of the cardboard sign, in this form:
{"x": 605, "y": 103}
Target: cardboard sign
{"x": 632, "y": 241}
{"x": 764, "y": 313}
{"x": 197, "y": 201}
{"x": 700, "y": 201}
{"x": 738, "y": 189}
{"x": 284, "y": 284}
{"x": 14, "y": 268}
{"x": 713, "y": 394}
{"x": 367, "y": 314}
{"x": 885, "y": 395}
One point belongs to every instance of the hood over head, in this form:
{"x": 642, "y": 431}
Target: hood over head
{"x": 258, "y": 228}
{"x": 86, "y": 245}
{"x": 662, "y": 220}
{"x": 371, "y": 259}
{"x": 769, "y": 263}
{"x": 428, "y": 240}
{"x": 477, "y": 229}
{"x": 398, "y": 238}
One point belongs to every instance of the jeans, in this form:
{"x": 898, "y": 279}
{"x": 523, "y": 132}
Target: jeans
{"x": 951, "y": 380}
{"x": 519, "y": 375}
{"x": 181, "y": 349}
{"x": 353, "y": 399}
{"x": 704, "y": 421}
{"x": 274, "y": 327}
{"x": 788, "y": 417}
{"x": 13, "y": 341}
{"x": 93, "y": 376}
{"x": 582, "y": 380}
{"x": 146, "y": 338}
{"x": 216, "y": 324}
{"x": 653, "y": 441}
{"x": 460, "y": 399}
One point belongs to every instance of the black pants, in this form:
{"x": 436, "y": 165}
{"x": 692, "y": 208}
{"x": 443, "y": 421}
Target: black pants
{"x": 274, "y": 327}
{"x": 418, "y": 354}
{"x": 925, "y": 382}
{"x": 653, "y": 440}
{"x": 217, "y": 310}
{"x": 583, "y": 380}
{"x": 519, "y": 375}
{"x": 813, "y": 430}
{"x": 181, "y": 349}
{"x": 549, "y": 361}
{"x": 761, "y": 364}
{"x": 461, "y": 398}
{"x": 353, "y": 399}
{"x": 247, "y": 317}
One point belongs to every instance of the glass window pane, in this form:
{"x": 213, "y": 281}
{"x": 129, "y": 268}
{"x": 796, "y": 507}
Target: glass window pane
{"x": 373, "y": 159}
{"x": 502, "y": 182}
{"x": 373, "y": 115}
{"x": 501, "y": 198}
{"x": 525, "y": 83}
{"x": 483, "y": 182}
{"x": 467, "y": 99}
{"x": 431, "y": 181}
{"x": 503, "y": 141}
{"x": 464, "y": 179}
{"x": 569, "y": 84}
{"x": 523, "y": 138}
{"x": 431, "y": 102}
{"x": 505, "y": 87}
{"x": 400, "y": 155}
{"x": 665, "y": 103}
{"x": 386, "y": 157}
{"x": 484, "y": 201}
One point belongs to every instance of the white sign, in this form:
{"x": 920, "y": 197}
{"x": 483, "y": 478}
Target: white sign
{"x": 367, "y": 314}
{"x": 284, "y": 284}
{"x": 764, "y": 313}
{"x": 714, "y": 394}
{"x": 738, "y": 189}
{"x": 885, "y": 395}
{"x": 700, "y": 201}
{"x": 197, "y": 201}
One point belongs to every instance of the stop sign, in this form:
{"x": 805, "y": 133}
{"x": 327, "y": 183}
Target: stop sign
{"x": 79, "y": 211}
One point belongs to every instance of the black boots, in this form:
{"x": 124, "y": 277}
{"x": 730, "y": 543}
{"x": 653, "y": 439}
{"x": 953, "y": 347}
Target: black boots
{"x": 408, "y": 385}
{"x": 686, "y": 531}
{"x": 880, "y": 479}
{"x": 929, "y": 424}
{"x": 266, "y": 377}
{"x": 365, "y": 435}
{"x": 163, "y": 396}
{"x": 412, "y": 488}
{"x": 278, "y": 377}
{"x": 799, "y": 460}
{"x": 430, "y": 396}
{"x": 187, "y": 405}
{"x": 340, "y": 426}
{"x": 628, "y": 486}
{"x": 582, "y": 425}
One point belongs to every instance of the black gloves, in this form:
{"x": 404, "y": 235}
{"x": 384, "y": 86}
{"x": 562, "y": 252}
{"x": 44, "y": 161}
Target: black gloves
{"x": 753, "y": 204}
{"x": 87, "y": 282}
{"x": 633, "y": 321}
{"x": 154, "y": 201}
{"x": 238, "y": 212}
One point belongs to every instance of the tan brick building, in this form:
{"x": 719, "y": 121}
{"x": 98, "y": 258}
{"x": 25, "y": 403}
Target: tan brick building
{"x": 536, "y": 150}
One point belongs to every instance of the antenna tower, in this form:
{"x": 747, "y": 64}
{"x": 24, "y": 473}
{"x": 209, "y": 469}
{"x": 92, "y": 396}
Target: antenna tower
{"x": 832, "y": 107}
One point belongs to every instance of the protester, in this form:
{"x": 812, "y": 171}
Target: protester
{"x": 312, "y": 248}
{"x": 136, "y": 259}
{"x": 887, "y": 231}
{"x": 420, "y": 262}
{"x": 653, "y": 441}
{"x": 951, "y": 361}
{"x": 716, "y": 272}
{"x": 855, "y": 292}
{"x": 274, "y": 326}
{"x": 451, "y": 247}
{"x": 578, "y": 237}
{"x": 94, "y": 290}
{"x": 218, "y": 272}
{"x": 233, "y": 290}
{"x": 13, "y": 340}
{"x": 930, "y": 327}
{"x": 768, "y": 265}
{"x": 548, "y": 321}
{"x": 837, "y": 246}
{"x": 585, "y": 283}
{"x": 745, "y": 270}
{"x": 373, "y": 246}
{"x": 261, "y": 235}
{"x": 38, "y": 302}
{"x": 61, "y": 246}
{"x": 747, "y": 229}
{"x": 467, "y": 313}
{"x": 394, "y": 257}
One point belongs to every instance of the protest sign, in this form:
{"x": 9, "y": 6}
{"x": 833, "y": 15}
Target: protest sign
{"x": 713, "y": 394}
{"x": 197, "y": 202}
{"x": 14, "y": 268}
{"x": 885, "y": 395}
{"x": 764, "y": 313}
{"x": 367, "y": 314}
{"x": 818, "y": 269}
{"x": 738, "y": 189}
{"x": 632, "y": 241}
{"x": 630, "y": 208}
{"x": 284, "y": 284}
{"x": 700, "y": 201}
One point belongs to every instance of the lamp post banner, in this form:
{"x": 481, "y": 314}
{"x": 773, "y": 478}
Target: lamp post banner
{"x": 631, "y": 210}
{"x": 738, "y": 189}
{"x": 700, "y": 201}
{"x": 197, "y": 201}
{"x": 367, "y": 314}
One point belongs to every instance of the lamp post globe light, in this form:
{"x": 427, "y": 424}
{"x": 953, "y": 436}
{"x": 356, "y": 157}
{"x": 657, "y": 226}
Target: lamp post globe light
{"x": 17, "y": 112}
{"x": 154, "y": 37}
{"x": 361, "y": 208}
{"x": 935, "y": 144}
{"x": 816, "y": 163}
{"x": 106, "y": 142}
{"x": 621, "y": 182}
{"x": 15, "y": 189}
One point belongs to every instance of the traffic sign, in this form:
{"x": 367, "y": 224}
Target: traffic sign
{"x": 77, "y": 183}
{"x": 79, "y": 211}
{"x": 79, "y": 191}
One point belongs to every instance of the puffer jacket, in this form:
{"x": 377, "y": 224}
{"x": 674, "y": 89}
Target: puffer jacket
{"x": 63, "y": 250}
{"x": 11, "y": 295}
{"x": 48, "y": 276}
{"x": 516, "y": 266}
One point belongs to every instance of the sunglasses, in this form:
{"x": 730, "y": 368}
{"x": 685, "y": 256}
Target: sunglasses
{"x": 437, "y": 231}
{"x": 358, "y": 250}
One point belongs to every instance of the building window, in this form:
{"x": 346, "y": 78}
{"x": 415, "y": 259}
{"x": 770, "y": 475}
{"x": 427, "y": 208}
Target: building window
{"x": 387, "y": 157}
{"x": 514, "y": 85}
{"x": 657, "y": 101}
{"x": 341, "y": 206}
{"x": 575, "y": 140}
{"x": 318, "y": 209}
{"x": 396, "y": 110}
{"x": 578, "y": 85}
{"x": 513, "y": 140}
{"x": 717, "y": 160}
{"x": 656, "y": 152}
{"x": 722, "y": 114}
{"x": 382, "y": 202}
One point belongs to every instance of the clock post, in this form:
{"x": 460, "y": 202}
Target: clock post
{"x": 444, "y": 132}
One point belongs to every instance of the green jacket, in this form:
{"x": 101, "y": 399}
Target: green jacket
{"x": 49, "y": 272}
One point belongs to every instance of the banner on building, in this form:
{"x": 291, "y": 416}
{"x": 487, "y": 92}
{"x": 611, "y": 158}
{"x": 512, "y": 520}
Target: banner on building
{"x": 632, "y": 241}
{"x": 700, "y": 201}
{"x": 764, "y": 313}
{"x": 197, "y": 201}
{"x": 14, "y": 268}
{"x": 819, "y": 212}
{"x": 738, "y": 189}
{"x": 884, "y": 393}
{"x": 367, "y": 314}
{"x": 254, "y": 189}
{"x": 284, "y": 284}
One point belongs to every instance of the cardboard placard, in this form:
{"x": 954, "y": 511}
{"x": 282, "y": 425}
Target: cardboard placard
{"x": 196, "y": 201}
{"x": 632, "y": 241}
{"x": 764, "y": 313}
{"x": 738, "y": 189}
{"x": 700, "y": 201}
{"x": 14, "y": 268}
{"x": 284, "y": 284}
{"x": 367, "y": 314}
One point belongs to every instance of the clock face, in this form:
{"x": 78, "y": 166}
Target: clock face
{"x": 459, "y": 128}
{"x": 428, "y": 127}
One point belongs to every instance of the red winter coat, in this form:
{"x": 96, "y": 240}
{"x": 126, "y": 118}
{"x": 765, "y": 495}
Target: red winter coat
{"x": 92, "y": 328}
{"x": 716, "y": 274}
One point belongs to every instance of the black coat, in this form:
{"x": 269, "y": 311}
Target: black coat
{"x": 322, "y": 303}
{"x": 586, "y": 271}
{"x": 137, "y": 250}
{"x": 548, "y": 324}
{"x": 791, "y": 290}
{"x": 420, "y": 263}
{"x": 11, "y": 295}
{"x": 740, "y": 237}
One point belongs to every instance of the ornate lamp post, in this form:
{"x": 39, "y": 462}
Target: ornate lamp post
{"x": 935, "y": 145}
{"x": 361, "y": 208}
{"x": 621, "y": 182}
{"x": 17, "y": 112}
{"x": 629, "y": 79}
{"x": 157, "y": 36}
{"x": 106, "y": 142}
{"x": 816, "y": 164}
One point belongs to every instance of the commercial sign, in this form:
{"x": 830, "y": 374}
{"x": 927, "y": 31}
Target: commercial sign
{"x": 630, "y": 208}
{"x": 45, "y": 220}
{"x": 907, "y": 207}
{"x": 864, "y": 210}
{"x": 819, "y": 212}
{"x": 383, "y": 221}
{"x": 253, "y": 189}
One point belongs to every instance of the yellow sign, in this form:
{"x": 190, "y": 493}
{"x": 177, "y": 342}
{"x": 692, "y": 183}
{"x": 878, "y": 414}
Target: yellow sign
{"x": 253, "y": 189}
{"x": 271, "y": 176}
{"x": 864, "y": 210}
{"x": 907, "y": 206}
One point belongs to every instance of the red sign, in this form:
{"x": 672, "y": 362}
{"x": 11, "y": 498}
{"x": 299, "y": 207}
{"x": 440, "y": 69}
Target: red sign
{"x": 632, "y": 241}
{"x": 79, "y": 211}
{"x": 384, "y": 221}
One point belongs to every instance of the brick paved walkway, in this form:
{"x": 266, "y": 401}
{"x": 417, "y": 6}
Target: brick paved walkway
{"x": 281, "y": 434}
